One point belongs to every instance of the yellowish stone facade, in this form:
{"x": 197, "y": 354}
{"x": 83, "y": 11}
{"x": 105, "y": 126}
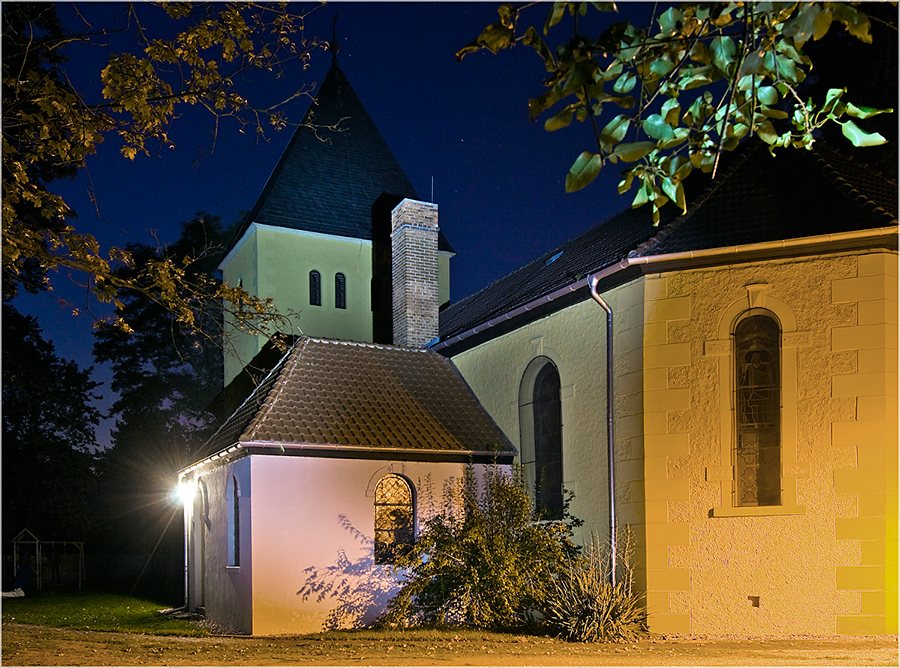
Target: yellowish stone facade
{"x": 825, "y": 560}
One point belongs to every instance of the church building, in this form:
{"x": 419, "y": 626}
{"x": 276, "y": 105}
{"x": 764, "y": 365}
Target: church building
{"x": 723, "y": 384}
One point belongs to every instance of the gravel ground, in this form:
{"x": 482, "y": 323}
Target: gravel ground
{"x": 24, "y": 645}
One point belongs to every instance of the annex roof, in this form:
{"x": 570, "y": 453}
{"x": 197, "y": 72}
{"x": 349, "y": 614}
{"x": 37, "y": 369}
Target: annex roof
{"x": 755, "y": 198}
{"x": 342, "y": 398}
{"x": 335, "y": 167}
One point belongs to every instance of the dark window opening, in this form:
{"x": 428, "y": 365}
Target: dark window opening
{"x": 315, "y": 288}
{"x": 548, "y": 476}
{"x": 340, "y": 291}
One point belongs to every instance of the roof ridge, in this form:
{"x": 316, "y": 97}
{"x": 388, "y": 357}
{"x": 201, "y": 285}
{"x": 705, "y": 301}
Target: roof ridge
{"x": 653, "y": 242}
{"x": 365, "y": 344}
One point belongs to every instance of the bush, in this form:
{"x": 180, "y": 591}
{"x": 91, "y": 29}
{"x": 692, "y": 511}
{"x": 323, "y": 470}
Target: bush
{"x": 485, "y": 561}
{"x": 583, "y": 606}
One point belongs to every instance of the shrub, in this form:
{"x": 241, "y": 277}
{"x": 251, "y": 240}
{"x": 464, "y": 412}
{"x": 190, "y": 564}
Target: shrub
{"x": 484, "y": 562}
{"x": 583, "y": 606}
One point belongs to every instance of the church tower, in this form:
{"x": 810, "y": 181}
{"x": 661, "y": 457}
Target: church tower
{"x": 318, "y": 239}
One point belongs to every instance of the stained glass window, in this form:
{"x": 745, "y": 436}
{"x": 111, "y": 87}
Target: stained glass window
{"x": 548, "y": 442}
{"x": 757, "y": 451}
{"x": 394, "y": 518}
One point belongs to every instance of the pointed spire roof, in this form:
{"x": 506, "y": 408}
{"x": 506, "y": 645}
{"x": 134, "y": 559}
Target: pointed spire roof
{"x": 332, "y": 171}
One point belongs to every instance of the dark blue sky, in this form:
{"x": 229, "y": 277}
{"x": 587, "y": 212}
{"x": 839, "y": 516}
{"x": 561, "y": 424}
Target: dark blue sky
{"x": 497, "y": 177}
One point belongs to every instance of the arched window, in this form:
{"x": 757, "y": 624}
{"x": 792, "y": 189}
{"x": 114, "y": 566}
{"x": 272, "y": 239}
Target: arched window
{"x": 394, "y": 518}
{"x": 232, "y": 500}
{"x": 340, "y": 291}
{"x": 547, "y": 424}
{"x": 315, "y": 288}
{"x": 757, "y": 444}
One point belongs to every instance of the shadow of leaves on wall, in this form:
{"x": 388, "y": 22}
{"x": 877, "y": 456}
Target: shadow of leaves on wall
{"x": 359, "y": 589}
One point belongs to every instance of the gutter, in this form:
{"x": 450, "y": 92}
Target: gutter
{"x": 685, "y": 259}
{"x": 308, "y": 449}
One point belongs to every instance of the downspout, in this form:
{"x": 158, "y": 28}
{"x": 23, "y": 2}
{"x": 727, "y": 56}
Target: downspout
{"x": 610, "y": 421}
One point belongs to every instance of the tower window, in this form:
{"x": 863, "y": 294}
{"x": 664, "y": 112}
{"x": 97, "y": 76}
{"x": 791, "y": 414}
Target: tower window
{"x": 340, "y": 291}
{"x": 315, "y": 288}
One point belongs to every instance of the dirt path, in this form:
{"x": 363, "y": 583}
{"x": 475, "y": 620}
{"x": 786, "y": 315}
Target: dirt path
{"x": 35, "y": 645}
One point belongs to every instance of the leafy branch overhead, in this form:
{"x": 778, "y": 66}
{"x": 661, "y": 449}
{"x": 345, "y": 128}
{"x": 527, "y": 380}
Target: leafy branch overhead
{"x": 670, "y": 99}
{"x": 196, "y": 55}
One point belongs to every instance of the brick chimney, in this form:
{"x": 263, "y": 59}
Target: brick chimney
{"x": 414, "y": 264}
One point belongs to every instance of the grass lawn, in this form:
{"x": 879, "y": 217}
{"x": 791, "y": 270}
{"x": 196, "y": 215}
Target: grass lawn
{"x": 95, "y": 611}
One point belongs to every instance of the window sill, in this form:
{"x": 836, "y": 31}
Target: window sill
{"x": 757, "y": 511}
{"x": 233, "y": 569}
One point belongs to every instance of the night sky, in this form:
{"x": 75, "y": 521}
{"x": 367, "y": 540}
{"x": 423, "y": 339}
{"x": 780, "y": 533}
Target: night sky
{"x": 463, "y": 127}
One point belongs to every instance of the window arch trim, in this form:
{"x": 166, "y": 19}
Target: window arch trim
{"x": 757, "y": 300}
{"x": 533, "y": 453}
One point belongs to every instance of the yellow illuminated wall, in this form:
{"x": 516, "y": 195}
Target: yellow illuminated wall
{"x": 825, "y": 561}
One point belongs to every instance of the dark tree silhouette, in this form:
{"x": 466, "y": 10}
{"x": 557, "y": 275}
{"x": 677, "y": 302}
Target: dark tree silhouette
{"x": 49, "y": 440}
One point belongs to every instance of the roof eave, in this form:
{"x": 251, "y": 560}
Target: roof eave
{"x": 338, "y": 451}
{"x": 606, "y": 278}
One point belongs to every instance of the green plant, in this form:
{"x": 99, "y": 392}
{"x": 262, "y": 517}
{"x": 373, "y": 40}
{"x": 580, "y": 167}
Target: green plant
{"x": 584, "y": 606}
{"x": 485, "y": 561}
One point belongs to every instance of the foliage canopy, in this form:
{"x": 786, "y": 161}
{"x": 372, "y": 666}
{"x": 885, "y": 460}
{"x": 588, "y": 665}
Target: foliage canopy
{"x": 671, "y": 98}
{"x": 195, "y": 54}
{"x": 48, "y": 435}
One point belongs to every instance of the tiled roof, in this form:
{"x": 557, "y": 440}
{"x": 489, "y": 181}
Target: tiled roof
{"x": 327, "y": 180}
{"x": 792, "y": 195}
{"x": 363, "y": 396}
{"x": 755, "y": 198}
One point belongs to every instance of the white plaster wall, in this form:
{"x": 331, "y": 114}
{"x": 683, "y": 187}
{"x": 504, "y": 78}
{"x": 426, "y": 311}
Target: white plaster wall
{"x": 227, "y": 590}
{"x": 313, "y": 531}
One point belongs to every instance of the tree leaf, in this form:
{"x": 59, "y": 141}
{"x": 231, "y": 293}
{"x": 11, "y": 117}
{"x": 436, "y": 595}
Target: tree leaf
{"x": 856, "y": 22}
{"x": 560, "y": 120}
{"x": 615, "y": 130}
{"x": 657, "y": 128}
{"x": 858, "y": 137}
{"x": 583, "y": 171}
{"x": 724, "y": 50}
{"x": 625, "y": 83}
{"x": 822, "y": 23}
{"x": 865, "y": 112}
{"x": 631, "y": 152}
{"x": 767, "y": 95}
